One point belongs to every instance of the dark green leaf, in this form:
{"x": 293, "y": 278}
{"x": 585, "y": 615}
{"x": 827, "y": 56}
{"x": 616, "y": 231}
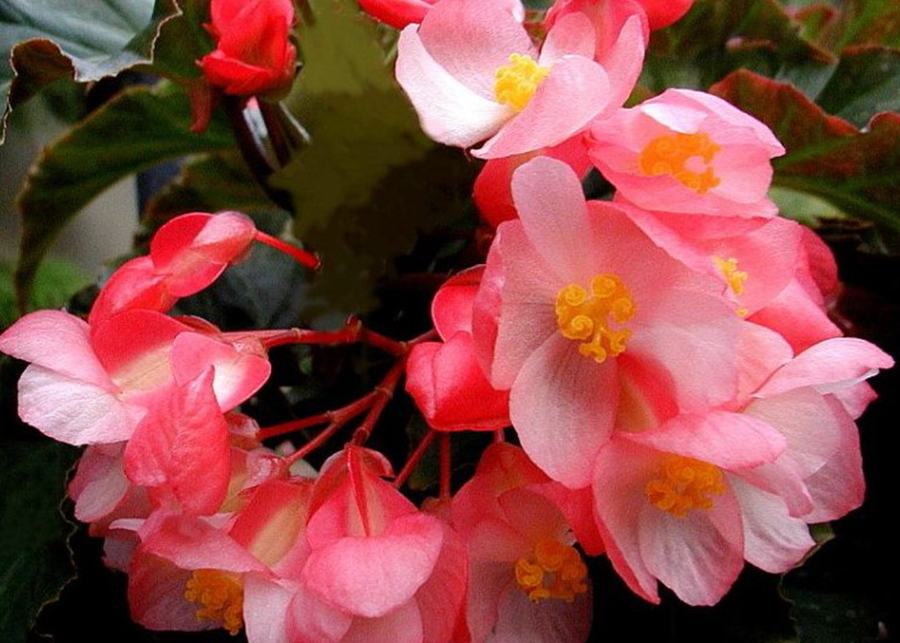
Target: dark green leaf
{"x": 45, "y": 40}
{"x": 857, "y": 171}
{"x": 55, "y": 283}
{"x": 35, "y": 562}
{"x": 864, "y": 83}
{"x": 150, "y": 126}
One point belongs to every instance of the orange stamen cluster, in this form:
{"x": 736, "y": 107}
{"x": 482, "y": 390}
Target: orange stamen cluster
{"x": 552, "y": 570}
{"x": 587, "y": 315}
{"x": 220, "y": 595}
{"x": 516, "y": 82}
{"x": 670, "y": 154}
{"x": 684, "y": 484}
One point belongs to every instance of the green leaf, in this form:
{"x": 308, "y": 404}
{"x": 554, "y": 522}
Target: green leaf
{"x": 86, "y": 40}
{"x": 35, "y": 562}
{"x": 150, "y": 126}
{"x": 370, "y": 180}
{"x": 856, "y": 171}
{"x": 56, "y": 282}
{"x": 865, "y": 82}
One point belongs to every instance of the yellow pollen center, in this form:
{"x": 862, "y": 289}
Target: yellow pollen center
{"x": 684, "y": 484}
{"x": 587, "y": 315}
{"x": 516, "y": 82}
{"x": 220, "y": 595}
{"x": 733, "y": 277}
{"x": 552, "y": 570}
{"x": 670, "y": 155}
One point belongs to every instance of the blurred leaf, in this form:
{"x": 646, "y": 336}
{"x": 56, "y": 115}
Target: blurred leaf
{"x": 856, "y": 171}
{"x": 182, "y": 40}
{"x": 370, "y": 179}
{"x": 55, "y": 283}
{"x": 716, "y": 37}
{"x": 150, "y": 126}
{"x": 865, "y": 82}
{"x": 45, "y": 40}
{"x": 868, "y": 22}
{"x": 35, "y": 562}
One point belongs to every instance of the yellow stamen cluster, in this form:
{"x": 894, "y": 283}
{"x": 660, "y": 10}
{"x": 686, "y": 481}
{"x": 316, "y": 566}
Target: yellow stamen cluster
{"x": 516, "y": 82}
{"x": 220, "y": 595}
{"x": 733, "y": 277}
{"x": 684, "y": 484}
{"x": 586, "y": 315}
{"x": 552, "y": 570}
{"x": 670, "y": 154}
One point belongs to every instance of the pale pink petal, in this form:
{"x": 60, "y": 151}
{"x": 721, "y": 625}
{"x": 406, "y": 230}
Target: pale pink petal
{"x": 783, "y": 478}
{"x": 471, "y": 39}
{"x": 312, "y": 620}
{"x": 624, "y": 60}
{"x": 797, "y": 317}
{"x": 72, "y": 411}
{"x": 372, "y": 575}
{"x": 572, "y": 34}
{"x": 574, "y": 92}
{"x": 563, "y": 405}
{"x": 727, "y": 440}
{"x": 520, "y": 620}
{"x": 271, "y": 525}
{"x": 402, "y": 625}
{"x": 488, "y": 583}
{"x": 577, "y": 506}
{"x": 266, "y": 609}
{"x": 156, "y": 596}
{"x": 449, "y": 112}
{"x": 856, "y": 399}
{"x": 495, "y": 540}
{"x": 773, "y": 540}
{"x": 829, "y": 366}
{"x": 760, "y": 353}
{"x": 441, "y": 598}
{"x": 99, "y": 484}
{"x": 56, "y": 341}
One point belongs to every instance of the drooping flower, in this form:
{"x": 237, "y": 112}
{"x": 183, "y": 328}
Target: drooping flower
{"x": 690, "y": 152}
{"x": 527, "y": 581}
{"x": 444, "y": 378}
{"x": 253, "y": 52}
{"x": 473, "y": 73}
{"x": 591, "y": 325}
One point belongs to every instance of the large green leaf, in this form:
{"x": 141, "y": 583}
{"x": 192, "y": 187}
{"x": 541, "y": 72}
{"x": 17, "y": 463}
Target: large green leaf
{"x": 35, "y": 561}
{"x": 370, "y": 179}
{"x": 856, "y": 170}
{"x": 149, "y": 125}
{"x": 86, "y": 40}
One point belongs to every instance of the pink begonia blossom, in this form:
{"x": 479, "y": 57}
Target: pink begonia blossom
{"x": 88, "y": 386}
{"x": 662, "y": 13}
{"x": 187, "y": 254}
{"x": 686, "y": 503}
{"x": 472, "y": 74}
{"x": 527, "y": 582}
{"x": 573, "y": 292}
{"x": 687, "y": 151}
{"x": 492, "y": 190}
{"x": 444, "y": 378}
{"x": 770, "y": 268}
{"x": 399, "y": 13}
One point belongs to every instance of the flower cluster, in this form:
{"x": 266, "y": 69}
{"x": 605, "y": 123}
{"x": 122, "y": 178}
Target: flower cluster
{"x": 681, "y": 401}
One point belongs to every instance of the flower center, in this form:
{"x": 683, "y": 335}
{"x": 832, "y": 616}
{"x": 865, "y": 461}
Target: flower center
{"x": 220, "y": 595}
{"x": 516, "y": 82}
{"x": 586, "y": 315}
{"x": 552, "y": 570}
{"x": 684, "y": 484}
{"x": 733, "y": 277}
{"x": 674, "y": 153}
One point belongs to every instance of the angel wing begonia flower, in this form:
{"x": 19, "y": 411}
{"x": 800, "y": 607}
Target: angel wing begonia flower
{"x": 85, "y": 387}
{"x": 472, "y": 74}
{"x": 590, "y": 324}
{"x": 687, "y": 151}
{"x": 686, "y": 503}
{"x": 444, "y": 378}
{"x": 527, "y": 582}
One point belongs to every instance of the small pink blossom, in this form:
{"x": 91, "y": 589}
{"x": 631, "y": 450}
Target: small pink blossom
{"x": 473, "y": 73}
{"x": 687, "y": 151}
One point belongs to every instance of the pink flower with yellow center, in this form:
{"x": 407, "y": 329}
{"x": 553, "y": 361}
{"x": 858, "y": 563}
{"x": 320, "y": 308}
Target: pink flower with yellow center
{"x": 687, "y": 151}
{"x": 590, "y": 325}
{"x": 473, "y": 73}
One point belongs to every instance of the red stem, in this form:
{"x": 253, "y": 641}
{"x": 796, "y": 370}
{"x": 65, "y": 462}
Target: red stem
{"x": 337, "y": 418}
{"x": 354, "y": 331}
{"x": 414, "y": 459}
{"x": 384, "y": 391}
{"x": 302, "y": 257}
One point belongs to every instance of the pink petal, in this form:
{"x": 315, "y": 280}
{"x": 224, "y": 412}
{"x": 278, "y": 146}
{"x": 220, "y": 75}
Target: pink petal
{"x": 797, "y": 317}
{"x": 563, "y": 405}
{"x": 624, "y": 60}
{"x": 572, "y": 34}
{"x": 72, "y": 411}
{"x": 266, "y": 609}
{"x": 574, "y": 92}
{"x": 134, "y": 284}
{"x": 402, "y": 625}
{"x": 99, "y": 484}
{"x": 760, "y": 353}
{"x": 312, "y": 620}
{"x": 451, "y": 308}
{"x": 519, "y": 620}
{"x": 449, "y": 111}
{"x": 773, "y": 540}
{"x": 488, "y": 583}
{"x": 156, "y": 596}
{"x": 441, "y": 598}
{"x": 372, "y": 575}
